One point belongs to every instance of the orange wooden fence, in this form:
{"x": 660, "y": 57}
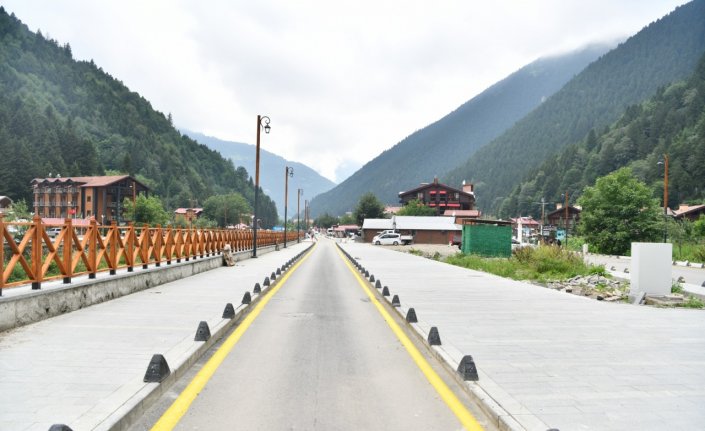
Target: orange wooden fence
{"x": 29, "y": 254}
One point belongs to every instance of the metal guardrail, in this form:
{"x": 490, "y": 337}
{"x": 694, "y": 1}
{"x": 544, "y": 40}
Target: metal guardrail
{"x": 29, "y": 255}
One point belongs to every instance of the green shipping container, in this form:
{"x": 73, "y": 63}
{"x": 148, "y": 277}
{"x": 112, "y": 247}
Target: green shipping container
{"x": 487, "y": 240}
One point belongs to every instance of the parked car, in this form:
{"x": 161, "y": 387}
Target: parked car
{"x": 53, "y": 232}
{"x": 387, "y": 239}
{"x": 403, "y": 239}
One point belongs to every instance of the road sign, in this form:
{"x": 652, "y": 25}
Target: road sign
{"x": 560, "y": 234}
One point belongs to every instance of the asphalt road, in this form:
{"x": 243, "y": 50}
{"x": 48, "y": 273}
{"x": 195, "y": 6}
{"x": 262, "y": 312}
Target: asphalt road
{"x": 319, "y": 356}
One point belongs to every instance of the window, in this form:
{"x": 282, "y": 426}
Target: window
{"x": 457, "y": 196}
{"x": 88, "y": 198}
{"x": 419, "y": 196}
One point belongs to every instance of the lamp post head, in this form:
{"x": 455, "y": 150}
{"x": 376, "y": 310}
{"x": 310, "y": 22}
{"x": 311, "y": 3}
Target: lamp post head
{"x": 264, "y": 122}
{"x": 290, "y": 171}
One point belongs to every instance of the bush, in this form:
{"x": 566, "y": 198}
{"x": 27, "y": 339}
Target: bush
{"x": 527, "y": 263}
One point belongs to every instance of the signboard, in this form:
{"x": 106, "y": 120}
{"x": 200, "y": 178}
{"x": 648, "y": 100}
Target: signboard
{"x": 560, "y": 234}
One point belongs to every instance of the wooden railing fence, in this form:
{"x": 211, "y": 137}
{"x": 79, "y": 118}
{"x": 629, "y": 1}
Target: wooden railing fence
{"x": 29, "y": 254}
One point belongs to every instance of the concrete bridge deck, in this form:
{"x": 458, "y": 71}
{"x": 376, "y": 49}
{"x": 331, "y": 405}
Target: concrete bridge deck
{"x": 545, "y": 359}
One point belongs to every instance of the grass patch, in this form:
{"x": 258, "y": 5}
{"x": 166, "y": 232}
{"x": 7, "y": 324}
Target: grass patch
{"x": 693, "y": 302}
{"x": 540, "y": 264}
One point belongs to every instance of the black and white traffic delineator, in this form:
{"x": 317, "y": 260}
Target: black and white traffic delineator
{"x": 157, "y": 370}
{"x": 467, "y": 369}
{"x": 247, "y": 298}
{"x": 411, "y": 316}
{"x": 434, "y": 338}
{"x": 395, "y": 301}
{"x": 266, "y": 281}
{"x": 372, "y": 278}
{"x": 257, "y": 288}
{"x": 60, "y": 427}
{"x": 273, "y": 276}
{"x": 385, "y": 291}
{"x": 229, "y": 312}
{"x": 367, "y": 274}
{"x": 378, "y": 284}
{"x": 203, "y": 333}
{"x": 279, "y": 271}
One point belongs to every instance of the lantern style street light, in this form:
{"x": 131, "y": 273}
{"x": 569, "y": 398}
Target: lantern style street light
{"x": 262, "y": 123}
{"x": 567, "y": 199}
{"x": 288, "y": 172}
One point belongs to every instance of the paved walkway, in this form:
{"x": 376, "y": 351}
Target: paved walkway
{"x": 551, "y": 359}
{"x": 85, "y": 369}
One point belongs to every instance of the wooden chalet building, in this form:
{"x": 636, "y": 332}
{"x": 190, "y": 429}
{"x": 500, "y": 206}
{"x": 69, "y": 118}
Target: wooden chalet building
{"x": 84, "y": 197}
{"x": 689, "y": 212}
{"x": 557, "y": 217}
{"x": 441, "y": 197}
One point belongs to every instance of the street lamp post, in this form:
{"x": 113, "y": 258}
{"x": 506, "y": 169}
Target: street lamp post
{"x": 566, "y": 217}
{"x": 298, "y": 214}
{"x": 288, "y": 172}
{"x": 262, "y": 123}
{"x": 664, "y": 162}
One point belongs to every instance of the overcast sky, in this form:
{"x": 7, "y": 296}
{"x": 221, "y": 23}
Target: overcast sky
{"x": 341, "y": 81}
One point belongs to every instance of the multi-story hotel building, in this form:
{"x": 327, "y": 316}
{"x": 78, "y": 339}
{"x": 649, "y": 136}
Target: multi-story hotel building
{"x": 84, "y": 197}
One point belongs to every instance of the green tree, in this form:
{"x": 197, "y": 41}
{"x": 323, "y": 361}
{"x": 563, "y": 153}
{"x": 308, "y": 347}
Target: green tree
{"x": 326, "y": 220}
{"x": 416, "y": 208}
{"x": 618, "y": 210}
{"x": 20, "y": 211}
{"x": 226, "y": 209}
{"x": 368, "y": 207}
{"x": 145, "y": 210}
{"x": 699, "y": 227}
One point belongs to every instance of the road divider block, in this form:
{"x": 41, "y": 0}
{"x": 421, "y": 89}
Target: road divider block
{"x": 434, "y": 338}
{"x": 60, "y": 427}
{"x": 257, "y": 288}
{"x": 247, "y": 298}
{"x": 203, "y": 332}
{"x": 411, "y": 316}
{"x": 266, "y": 282}
{"x": 157, "y": 370}
{"x": 372, "y": 278}
{"x": 229, "y": 311}
{"x": 395, "y": 301}
{"x": 467, "y": 369}
{"x": 385, "y": 291}
{"x": 378, "y": 284}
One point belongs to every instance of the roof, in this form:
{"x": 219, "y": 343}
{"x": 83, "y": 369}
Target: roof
{"x": 435, "y": 185}
{"x": 462, "y": 213}
{"x": 688, "y": 209}
{"x": 344, "y": 227}
{"x": 97, "y": 181}
{"x": 571, "y": 208}
{"x": 411, "y": 223}
{"x": 525, "y": 221}
{"x": 184, "y": 210}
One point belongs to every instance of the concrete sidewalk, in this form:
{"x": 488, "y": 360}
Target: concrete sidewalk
{"x": 85, "y": 369}
{"x": 550, "y": 359}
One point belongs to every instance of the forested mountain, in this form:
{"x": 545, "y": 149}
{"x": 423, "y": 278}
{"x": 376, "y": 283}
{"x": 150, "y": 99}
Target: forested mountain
{"x": 444, "y": 144}
{"x": 664, "y": 52}
{"x": 68, "y": 117}
{"x": 672, "y": 122}
{"x": 271, "y": 171}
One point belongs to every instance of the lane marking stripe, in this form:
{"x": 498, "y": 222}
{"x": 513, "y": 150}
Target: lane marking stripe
{"x": 180, "y": 406}
{"x": 461, "y": 412}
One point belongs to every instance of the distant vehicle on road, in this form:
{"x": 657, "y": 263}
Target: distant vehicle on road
{"x": 52, "y": 232}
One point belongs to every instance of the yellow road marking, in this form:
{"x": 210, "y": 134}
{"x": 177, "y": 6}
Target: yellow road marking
{"x": 461, "y": 412}
{"x": 180, "y": 406}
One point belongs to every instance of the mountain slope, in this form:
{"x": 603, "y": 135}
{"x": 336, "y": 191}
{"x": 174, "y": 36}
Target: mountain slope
{"x": 672, "y": 122}
{"x": 271, "y": 170}
{"x": 440, "y": 146}
{"x": 665, "y": 51}
{"x": 68, "y": 117}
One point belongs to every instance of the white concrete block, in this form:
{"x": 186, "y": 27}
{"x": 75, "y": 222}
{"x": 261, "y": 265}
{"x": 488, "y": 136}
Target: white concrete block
{"x": 651, "y": 268}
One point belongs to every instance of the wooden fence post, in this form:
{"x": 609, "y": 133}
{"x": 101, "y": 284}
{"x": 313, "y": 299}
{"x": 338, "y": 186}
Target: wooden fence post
{"x": 93, "y": 248}
{"x": 68, "y": 251}
{"x": 37, "y": 252}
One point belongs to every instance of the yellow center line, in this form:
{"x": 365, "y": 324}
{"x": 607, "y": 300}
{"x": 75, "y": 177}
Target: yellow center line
{"x": 461, "y": 412}
{"x": 180, "y": 406}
